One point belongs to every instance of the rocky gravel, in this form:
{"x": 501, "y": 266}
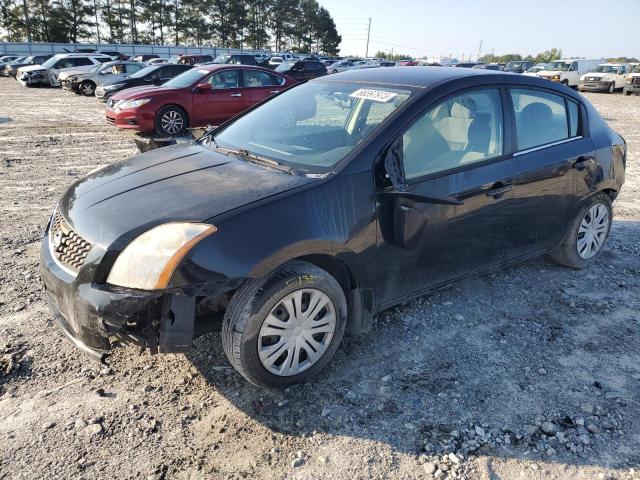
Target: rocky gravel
{"x": 530, "y": 372}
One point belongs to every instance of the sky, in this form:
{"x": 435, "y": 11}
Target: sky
{"x": 426, "y": 28}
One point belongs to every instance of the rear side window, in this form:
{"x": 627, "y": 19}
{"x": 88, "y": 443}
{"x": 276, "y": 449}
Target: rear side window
{"x": 463, "y": 129}
{"x": 541, "y": 118}
{"x": 254, "y": 78}
{"x": 574, "y": 118}
{"x": 81, "y": 62}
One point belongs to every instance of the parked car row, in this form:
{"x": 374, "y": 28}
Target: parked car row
{"x": 326, "y": 204}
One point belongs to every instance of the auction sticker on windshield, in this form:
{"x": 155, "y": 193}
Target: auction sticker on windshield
{"x": 375, "y": 95}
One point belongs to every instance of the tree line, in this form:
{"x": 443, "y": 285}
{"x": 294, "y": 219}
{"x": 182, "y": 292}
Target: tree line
{"x": 297, "y": 25}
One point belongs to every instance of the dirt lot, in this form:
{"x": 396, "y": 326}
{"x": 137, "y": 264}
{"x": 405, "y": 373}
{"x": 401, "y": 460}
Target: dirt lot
{"x": 532, "y": 372}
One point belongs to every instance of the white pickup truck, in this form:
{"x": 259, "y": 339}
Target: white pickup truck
{"x": 632, "y": 82}
{"x": 569, "y": 71}
{"x": 607, "y": 77}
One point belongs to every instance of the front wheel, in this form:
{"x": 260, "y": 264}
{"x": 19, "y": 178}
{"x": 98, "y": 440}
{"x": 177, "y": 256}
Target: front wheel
{"x": 588, "y": 235}
{"x": 171, "y": 121}
{"x": 612, "y": 87}
{"x": 88, "y": 89}
{"x": 286, "y": 327}
{"x": 627, "y": 93}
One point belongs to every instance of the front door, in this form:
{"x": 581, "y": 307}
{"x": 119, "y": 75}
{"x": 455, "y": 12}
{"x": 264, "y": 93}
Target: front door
{"x": 226, "y": 98}
{"x": 457, "y": 210}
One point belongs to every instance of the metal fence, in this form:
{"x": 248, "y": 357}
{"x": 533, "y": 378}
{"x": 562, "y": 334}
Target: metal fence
{"x": 33, "y": 48}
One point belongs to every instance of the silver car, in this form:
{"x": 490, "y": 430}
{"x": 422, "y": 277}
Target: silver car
{"x": 85, "y": 83}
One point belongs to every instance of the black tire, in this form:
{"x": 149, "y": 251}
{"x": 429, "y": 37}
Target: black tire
{"x": 171, "y": 110}
{"x": 254, "y": 301}
{"x": 627, "y": 93}
{"x": 334, "y": 71}
{"x": 567, "y": 254}
{"x": 87, "y": 88}
{"x": 612, "y": 87}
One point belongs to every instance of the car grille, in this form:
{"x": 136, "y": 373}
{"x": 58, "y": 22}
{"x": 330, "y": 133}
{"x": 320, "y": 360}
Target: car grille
{"x": 592, "y": 79}
{"x": 69, "y": 248}
{"x": 636, "y": 80}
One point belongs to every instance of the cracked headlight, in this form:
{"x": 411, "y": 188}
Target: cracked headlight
{"x": 149, "y": 261}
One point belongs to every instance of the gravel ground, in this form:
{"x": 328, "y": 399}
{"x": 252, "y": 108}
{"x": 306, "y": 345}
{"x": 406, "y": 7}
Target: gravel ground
{"x": 531, "y": 372}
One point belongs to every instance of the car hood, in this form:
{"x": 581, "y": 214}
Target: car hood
{"x": 598, "y": 75}
{"x": 145, "y": 91}
{"x": 177, "y": 183}
{"x": 32, "y": 68}
{"x": 550, "y": 73}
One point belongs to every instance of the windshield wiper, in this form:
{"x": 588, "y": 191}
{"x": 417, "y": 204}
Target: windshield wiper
{"x": 253, "y": 158}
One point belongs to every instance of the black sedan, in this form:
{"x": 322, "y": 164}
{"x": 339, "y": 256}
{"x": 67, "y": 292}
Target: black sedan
{"x": 302, "y": 70}
{"x": 153, "y": 75}
{"x": 303, "y": 217}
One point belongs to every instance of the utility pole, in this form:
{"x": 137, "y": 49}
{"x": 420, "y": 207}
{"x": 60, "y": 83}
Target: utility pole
{"x": 479, "y": 50}
{"x": 368, "y": 33}
{"x": 95, "y": 8}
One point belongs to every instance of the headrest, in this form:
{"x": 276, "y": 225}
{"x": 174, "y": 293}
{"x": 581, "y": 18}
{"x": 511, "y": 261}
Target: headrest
{"x": 463, "y": 108}
{"x": 537, "y": 113}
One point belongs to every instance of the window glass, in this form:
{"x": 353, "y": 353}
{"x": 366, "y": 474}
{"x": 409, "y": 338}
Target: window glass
{"x": 541, "y": 118}
{"x": 132, "y": 68}
{"x": 315, "y": 125}
{"x": 573, "y": 118}
{"x": 101, "y": 60}
{"x": 80, "y": 62}
{"x": 463, "y": 129}
{"x": 226, "y": 79}
{"x": 254, "y": 78}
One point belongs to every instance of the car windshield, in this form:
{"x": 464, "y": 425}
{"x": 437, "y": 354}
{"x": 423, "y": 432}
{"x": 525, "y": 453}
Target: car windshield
{"x": 635, "y": 69}
{"x": 187, "y": 78}
{"x": 174, "y": 59}
{"x": 605, "y": 69}
{"x": 144, "y": 71}
{"x": 313, "y": 126}
{"x": 222, "y": 59}
{"x": 559, "y": 66}
{"x": 51, "y": 62}
{"x": 284, "y": 66}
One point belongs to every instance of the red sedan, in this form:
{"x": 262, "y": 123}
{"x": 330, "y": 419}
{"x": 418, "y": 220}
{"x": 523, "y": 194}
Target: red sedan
{"x": 205, "y": 95}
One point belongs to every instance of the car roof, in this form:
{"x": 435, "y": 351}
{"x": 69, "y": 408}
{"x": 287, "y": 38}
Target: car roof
{"x": 211, "y": 67}
{"x": 416, "y": 77}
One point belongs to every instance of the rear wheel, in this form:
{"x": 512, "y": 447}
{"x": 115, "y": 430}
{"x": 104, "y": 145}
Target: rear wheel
{"x": 589, "y": 234}
{"x": 88, "y": 89}
{"x": 171, "y": 121}
{"x": 286, "y": 327}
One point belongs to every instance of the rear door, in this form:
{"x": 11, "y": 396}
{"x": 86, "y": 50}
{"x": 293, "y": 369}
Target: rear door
{"x": 456, "y": 213}
{"x": 557, "y": 162}
{"x": 261, "y": 85}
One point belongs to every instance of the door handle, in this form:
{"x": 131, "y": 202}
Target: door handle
{"x": 498, "y": 190}
{"x": 583, "y": 162}
{"x": 235, "y": 95}
{"x": 275, "y": 91}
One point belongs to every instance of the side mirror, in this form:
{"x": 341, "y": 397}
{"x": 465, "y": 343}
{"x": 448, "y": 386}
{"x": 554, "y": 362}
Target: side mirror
{"x": 203, "y": 87}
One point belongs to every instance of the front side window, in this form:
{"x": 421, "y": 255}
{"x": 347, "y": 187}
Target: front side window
{"x": 314, "y": 125}
{"x": 463, "y": 129}
{"x": 255, "y": 78}
{"x": 225, "y": 79}
{"x": 541, "y": 118}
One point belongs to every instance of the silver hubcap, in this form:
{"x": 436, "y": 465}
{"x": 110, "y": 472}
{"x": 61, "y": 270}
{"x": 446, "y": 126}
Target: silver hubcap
{"x": 172, "y": 122}
{"x": 297, "y": 332}
{"x": 87, "y": 89}
{"x": 593, "y": 230}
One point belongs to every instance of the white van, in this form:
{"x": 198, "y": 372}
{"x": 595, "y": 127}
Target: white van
{"x": 47, "y": 73}
{"x": 569, "y": 71}
{"x": 607, "y": 77}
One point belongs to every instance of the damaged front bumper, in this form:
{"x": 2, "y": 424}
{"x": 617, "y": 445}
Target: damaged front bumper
{"x": 91, "y": 315}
